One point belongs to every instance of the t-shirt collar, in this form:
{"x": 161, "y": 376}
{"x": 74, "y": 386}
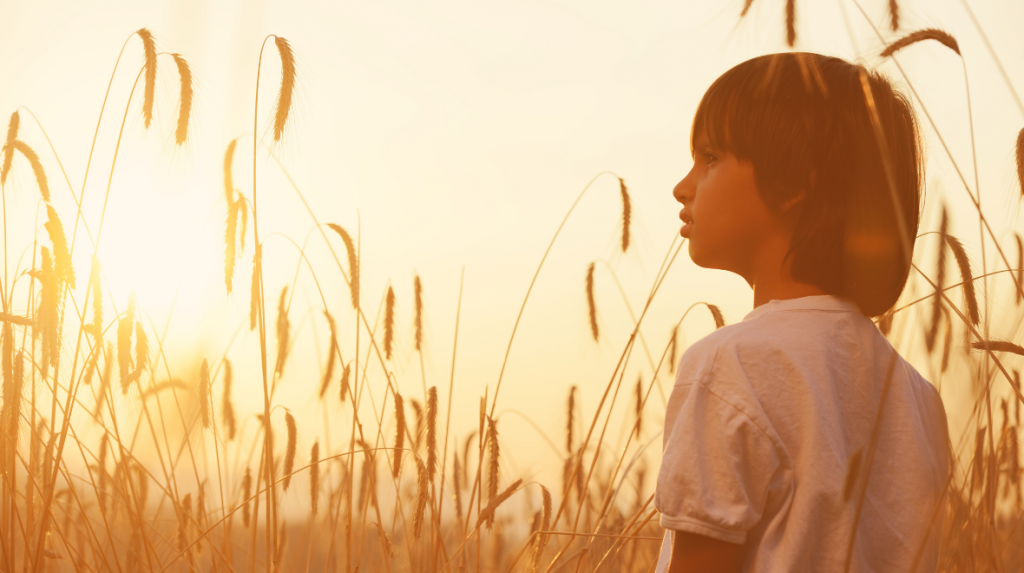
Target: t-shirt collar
{"x": 818, "y": 302}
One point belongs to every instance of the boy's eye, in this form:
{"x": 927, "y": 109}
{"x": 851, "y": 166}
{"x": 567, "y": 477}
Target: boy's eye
{"x": 709, "y": 158}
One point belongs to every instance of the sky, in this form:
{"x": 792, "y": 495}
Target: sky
{"x": 451, "y": 137}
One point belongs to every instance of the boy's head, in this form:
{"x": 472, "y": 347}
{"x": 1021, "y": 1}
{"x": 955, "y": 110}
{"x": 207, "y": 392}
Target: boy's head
{"x": 842, "y": 185}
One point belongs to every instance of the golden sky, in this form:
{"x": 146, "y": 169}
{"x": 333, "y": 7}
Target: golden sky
{"x": 453, "y": 135}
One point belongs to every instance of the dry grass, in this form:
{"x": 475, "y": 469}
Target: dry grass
{"x": 149, "y": 480}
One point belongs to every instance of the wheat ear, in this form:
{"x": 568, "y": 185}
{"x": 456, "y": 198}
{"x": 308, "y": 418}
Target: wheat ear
{"x": 431, "y": 433}
{"x": 545, "y": 523}
{"x": 591, "y": 307}
{"x": 61, "y": 256}
{"x": 283, "y": 332}
{"x": 284, "y": 96}
{"x": 998, "y": 346}
{"x": 227, "y": 409}
{"x": 141, "y": 353}
{"x": 12, "y": 136}
{"x": 716, "y": 313}
{"x": 389, "y": 322}
{"x": 894, "y": 15}
{"x": 314, "y": 477}
{"x": 332, "y": 356}
{"x": 1020, "y": 267}
{"x": 919, "y": 36}
{"x": 487, "y": 515}
{"x": 746, "y": 7}
{"x": 204, "y": 394}
{"x": 569, "y": 417}
{"x": 97, "y": 298}
{"x": 33, "y": 161}
{"x": 422, "y": 494}
{"x": 790, "y": 23}
{"x": 399, "y": 434}
{"x": 417, "y": 293}
{"x": 966, "y": 276}
{"x": 246, "y": 494}
{"x": 346, "y": 374}
{"x": 353, "y": 262}
{"x": 289, "y": 454}
{"x": 149, "y": 49}
{"x": 492, "y": 464}
{"x": 627, "y": 214}
{"x": 185, "y": 99}
{"x": 48, "y": 313}
{"x": 232, "y": 219}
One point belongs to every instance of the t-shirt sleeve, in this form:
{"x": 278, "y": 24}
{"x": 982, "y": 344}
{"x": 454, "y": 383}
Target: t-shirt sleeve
{"x": 717, "y": 467}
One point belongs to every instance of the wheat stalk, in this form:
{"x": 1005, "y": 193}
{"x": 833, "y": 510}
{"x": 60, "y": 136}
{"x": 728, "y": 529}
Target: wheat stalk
{"x": 227, "y": 409}
{"x": 48, "y": 317}
{"x": 947, "y": 342}
{"x": 673, "y": 348}
{"x": 591, "y": 307}
{"x": 33, "y": 161}
{"x": 314, "y": 477}
{"x": 204, "y": 393}
{"x": 12, "y": 136}
{"x": 254, "y": 290}
{"x": 185, "y": 99}
{"x": 389, "y": 322}
{"x": 639, "y": 404}
{"x": 353, "y": 263}
{"x": 149, "y": 49}
{"x": 487, "y": 515}
{"x": 919, "y": 36}
{"x": 97, "y": 298}
{"x": 284, "y": 96}
{"x": 332, "y": 356}
{"x": 289, "y": 455}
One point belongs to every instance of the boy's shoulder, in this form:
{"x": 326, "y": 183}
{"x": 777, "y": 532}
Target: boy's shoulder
{"x": 776, "y": 331}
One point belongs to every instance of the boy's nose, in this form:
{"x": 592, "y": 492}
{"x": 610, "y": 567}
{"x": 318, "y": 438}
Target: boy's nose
{"x": 684, "y": 190}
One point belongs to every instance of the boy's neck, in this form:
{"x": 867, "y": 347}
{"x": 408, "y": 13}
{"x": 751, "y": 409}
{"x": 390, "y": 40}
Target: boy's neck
{"x": 773, "y": 281}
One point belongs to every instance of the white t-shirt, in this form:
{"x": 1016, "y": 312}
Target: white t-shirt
{"x": 761, "y": 426}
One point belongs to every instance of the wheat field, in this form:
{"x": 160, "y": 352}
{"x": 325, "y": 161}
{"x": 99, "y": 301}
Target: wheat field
{"x": 116, "y": 459}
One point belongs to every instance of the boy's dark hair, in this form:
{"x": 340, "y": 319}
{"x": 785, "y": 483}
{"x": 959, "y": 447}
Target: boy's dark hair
{"x": 804, "y": 122}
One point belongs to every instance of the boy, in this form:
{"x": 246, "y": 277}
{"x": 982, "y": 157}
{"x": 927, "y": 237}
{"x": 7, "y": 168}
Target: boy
{"x": 798, "y": 439}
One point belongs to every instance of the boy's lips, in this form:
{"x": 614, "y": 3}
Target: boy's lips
{"x": 687, "y": 220}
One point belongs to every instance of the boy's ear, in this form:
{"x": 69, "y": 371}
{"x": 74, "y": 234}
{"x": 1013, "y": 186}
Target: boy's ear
{"x": 799, "y": 197}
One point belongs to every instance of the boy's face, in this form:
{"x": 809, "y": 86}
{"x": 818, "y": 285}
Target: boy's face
{"x": 725, "y": 219}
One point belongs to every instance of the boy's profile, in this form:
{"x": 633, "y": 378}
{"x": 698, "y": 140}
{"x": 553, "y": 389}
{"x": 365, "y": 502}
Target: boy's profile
{"x": 798, "y": 439}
